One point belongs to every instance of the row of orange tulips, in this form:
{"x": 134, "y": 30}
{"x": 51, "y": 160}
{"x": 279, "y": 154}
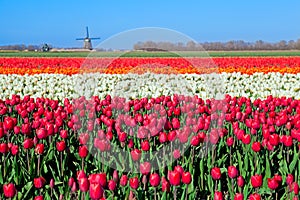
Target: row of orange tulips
{"x": 69, "y": 66}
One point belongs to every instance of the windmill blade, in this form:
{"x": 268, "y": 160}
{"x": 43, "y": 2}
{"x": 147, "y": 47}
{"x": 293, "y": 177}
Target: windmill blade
{"x": 95, "y": 38}
{"x": 87, "y": 32}
{"x": 80, "y": 38}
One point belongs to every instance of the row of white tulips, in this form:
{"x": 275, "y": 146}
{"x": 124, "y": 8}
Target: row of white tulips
{"x": 58, "y": 86}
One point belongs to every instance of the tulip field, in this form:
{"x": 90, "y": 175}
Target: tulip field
{"x": 150, "y": 128}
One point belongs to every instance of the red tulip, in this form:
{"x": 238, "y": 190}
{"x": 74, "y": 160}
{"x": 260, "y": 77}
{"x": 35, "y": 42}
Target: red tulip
{"x": 232, "y": 171}
{"x": 238, "y": 196}
{"x": 74, "y": 187}
{"x": 294, "y": 187}
{"x": 174, "y": 177}
{"x": 289, "y": 179}
{"x": 83, "y": 184}
{"x": 145, "y": 146}
{"x": 81, "y": 174}
{"x": 134, "y": 183}
{"x": 61, "y": 146}
{"x": 254, "y": 196}
{"x": 41, "y": 133}
{"x": 71, "y": 181}
{"x": 9, "y": 190}
{"x": 83, "y": 151}
{"x": 28, "y": 143}
{"x": 136, "y": 154}
{"x": 122, "y": 136}
{"x": 278, "y": 178}
{"x": 3, "y": 148}
{"x": 145, "y": 168}
{"x": 246, "y": 139}
{"x": 175, "y": 123}
{"x": 256, "y": 180}
{"x": 96, "y": 191}
{"x": 52, "y": 183}
{"x": 98, "y": 178}
{"x": 39, "y": 182}
{"x": 186, "y": 178}
{"x": 274, "y": 139}
{"x": 123, "y": 180}
{"x": 14, "y": 150}
{"x": 195, "y": 141}
{"x": 84, "y": 138}
{"x": 240, "y": 181}
{"x": 39, "y": 149}
{"x": 272, "y": 183}
{"x": 63, "y": 134}
{"x": 216, "y": 173}
{"x": 154, "y": 179}
{"x": 112, "y": 185}
{"x": 256, "y": 146}
{"x": 218, "y": 195}
{"x": 176, "y": 153}
{"x": 229, "y": 141}
{"x": 8, "y": 123}
{"x": 179, "y": 169}
{"x": 214, "y": 136}
{"x": 165, "y": 185}
{"x": 163, "y": 137}
{"x": 39, "y": 198}
{"x": 115, "y": 176}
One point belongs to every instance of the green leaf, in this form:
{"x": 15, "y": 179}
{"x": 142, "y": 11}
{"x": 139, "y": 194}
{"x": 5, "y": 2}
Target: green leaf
{"x": 293, "y": 163}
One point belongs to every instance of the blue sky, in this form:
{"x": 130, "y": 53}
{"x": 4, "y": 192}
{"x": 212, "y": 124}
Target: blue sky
{"x": 60, "y": 22}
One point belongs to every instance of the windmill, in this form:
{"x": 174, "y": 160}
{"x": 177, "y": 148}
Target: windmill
{"x": 87, "y": 44}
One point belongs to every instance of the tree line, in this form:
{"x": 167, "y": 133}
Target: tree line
{"x": 23, "y": 47}
{"x": 233, "y": 45}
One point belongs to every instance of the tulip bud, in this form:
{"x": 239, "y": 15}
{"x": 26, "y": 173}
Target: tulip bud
{"x": 176, "y": 153}
{"x": 52, "y": 183}
{"x": 232, "y": 172}
{"x": 289, "y": 179}
{"x": 229, "y": 141}
{"x": 240, "y": 181}
{"x": 39, "y": 198}
{"x": 83, "y": 151}
{"x": 254, "y": 196}
{"x": 39, "y": 182}
{"x": 186, "y": 178}
{"x": 83, "y": 184}
{"x": 74, "y": 187}
{"x": 238, "y": 196}
{"x": 123, "y": 180}
{"x": 9, "y": 190}
{"x": 215, "y": 173}
{"x": 165, "y": 185}
{"x": 96, "y": 191}
{"x": 256, "y": 180}
{"x": 218, "y": 195}
{"x": 39, "y": 149}
{"x": 134, "y": 183}
{"x": 112, "y": 185}
{"x": 145, "y": 168}
{"x": 174, "y": 177}
{"x": 61, "y": 146}
{"x": 154, "y": 179}
{"x": 71, "y": 181}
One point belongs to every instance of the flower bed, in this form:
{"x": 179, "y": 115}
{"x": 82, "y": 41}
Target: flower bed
{"x": 233, "y": 146}
{"x": 160, "y": 135}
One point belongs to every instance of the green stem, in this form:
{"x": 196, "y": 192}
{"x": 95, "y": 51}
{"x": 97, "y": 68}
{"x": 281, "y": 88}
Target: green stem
{"x": 38, "y": 167}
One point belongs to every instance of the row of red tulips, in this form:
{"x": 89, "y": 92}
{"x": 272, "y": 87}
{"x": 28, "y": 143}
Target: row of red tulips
{"x": 158, "y": 148}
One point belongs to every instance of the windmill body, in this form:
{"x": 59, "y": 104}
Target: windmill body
{"x": 87, "y": 41}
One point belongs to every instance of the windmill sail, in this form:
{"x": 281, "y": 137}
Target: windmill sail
{"x": 87, "y": 44}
